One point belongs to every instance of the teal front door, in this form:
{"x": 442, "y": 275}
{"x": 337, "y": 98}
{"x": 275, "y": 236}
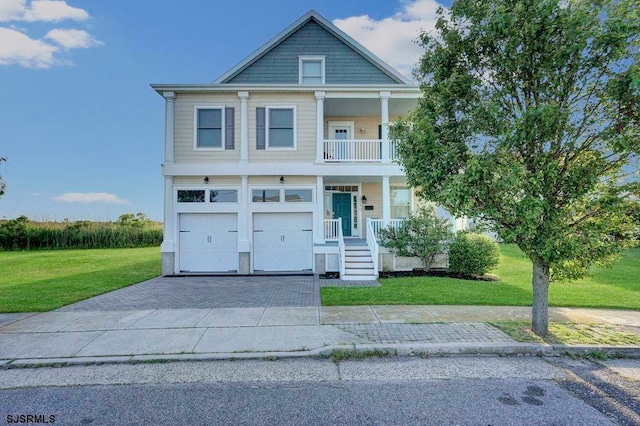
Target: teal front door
{"x": 342, "y": 208}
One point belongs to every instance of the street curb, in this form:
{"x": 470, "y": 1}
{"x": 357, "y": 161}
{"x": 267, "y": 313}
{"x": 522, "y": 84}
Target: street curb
{"x": 419, "y": 349}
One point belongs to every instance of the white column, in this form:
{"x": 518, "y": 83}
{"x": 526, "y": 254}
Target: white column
{"x": 318, "y": 231}
{"x": 320, "y": 127}
{"x": 386, "y": 202}
{"x": 244, "y": 245}
{"x": 169, "y": 219}
{"x": 384, "y": 107}
{"x": 168, "y": 126}
{"x": 244, "y": 126}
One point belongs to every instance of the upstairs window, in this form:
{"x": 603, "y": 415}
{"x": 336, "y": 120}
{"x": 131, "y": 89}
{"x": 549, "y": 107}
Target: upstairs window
{"x": 311, "y": 69}
{"x": 281, "y": 128}
{"x": 209, "y": 128}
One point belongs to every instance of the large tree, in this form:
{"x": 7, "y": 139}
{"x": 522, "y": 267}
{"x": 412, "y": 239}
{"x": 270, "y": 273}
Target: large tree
{"x": 529, "y": 120}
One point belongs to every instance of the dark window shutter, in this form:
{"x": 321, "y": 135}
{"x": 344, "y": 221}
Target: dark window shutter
{"x": 260, "y": 128}
{"x": 379, "y": 131}
{"x": 229, "y": 128}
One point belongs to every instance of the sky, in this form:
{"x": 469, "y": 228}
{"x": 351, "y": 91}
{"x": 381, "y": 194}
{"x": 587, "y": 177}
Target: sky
{"x": 82, "y": 130}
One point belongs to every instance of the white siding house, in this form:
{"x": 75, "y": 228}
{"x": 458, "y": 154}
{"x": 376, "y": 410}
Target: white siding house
{"x": 284, "y": 162}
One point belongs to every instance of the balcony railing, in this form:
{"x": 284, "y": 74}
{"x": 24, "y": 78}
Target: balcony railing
{"x": 358, "y": 150}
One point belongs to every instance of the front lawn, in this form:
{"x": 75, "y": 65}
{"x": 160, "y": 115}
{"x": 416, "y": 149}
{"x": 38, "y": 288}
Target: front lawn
{"x": 617, "y": 287}
{"x": 43, "y": 280}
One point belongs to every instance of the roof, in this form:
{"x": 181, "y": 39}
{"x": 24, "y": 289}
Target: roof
{"x": 312, "y": 15}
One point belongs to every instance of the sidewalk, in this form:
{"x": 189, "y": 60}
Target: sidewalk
{"x": 152, "y": 334}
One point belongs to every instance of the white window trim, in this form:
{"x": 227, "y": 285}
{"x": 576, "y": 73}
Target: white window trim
{"x": 207, "y": 190}
{"x": 392, "y": 187}
{"x": 295, "y": 127}
{"x": 195, "y": 127}
{"x": 282, "y": 189}
{"x": 304, "y": 58}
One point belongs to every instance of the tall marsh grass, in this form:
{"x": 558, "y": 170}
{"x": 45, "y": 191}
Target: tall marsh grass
{"x": 23, "y": 234}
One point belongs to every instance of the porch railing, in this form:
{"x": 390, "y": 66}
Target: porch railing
{"x": 357, "y": 150}
{"x": 373, "y": 245}
{"x": 376, "y": 225}
{"x": 341, "y": 250}
{"x": 331, "y": 227}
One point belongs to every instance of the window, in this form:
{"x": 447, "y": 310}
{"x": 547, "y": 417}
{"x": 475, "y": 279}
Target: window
{"x": 209, "y": 128}
{"x": 298, "y": 195}
{"x": 191, "y": 196}
{"x": 223, "y": 196}
{"x": 281, "y": 127}
{"x": 311, "y": 69}
{"x": 400, "y": 203}
{"x": 265, "y": 195}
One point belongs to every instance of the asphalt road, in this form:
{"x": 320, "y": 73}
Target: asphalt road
{"x": 453, "y": 390}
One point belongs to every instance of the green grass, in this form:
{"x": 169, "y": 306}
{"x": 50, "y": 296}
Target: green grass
{"x": 570, "y": 333}
{"x": 616, "y": 287}
{"x": 35, "y": 281}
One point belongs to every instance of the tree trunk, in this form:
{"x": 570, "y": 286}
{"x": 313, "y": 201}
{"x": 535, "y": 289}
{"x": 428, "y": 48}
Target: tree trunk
{"x": 540, "y": 308}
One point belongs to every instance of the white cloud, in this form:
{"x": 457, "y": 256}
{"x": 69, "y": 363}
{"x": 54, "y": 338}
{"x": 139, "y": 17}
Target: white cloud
{"x": 18, "y": 48}
{"x": 90, "y": 197}
{"x": 393, "y": 38}
{"x": 40, "y": 10}
{"x": 72, "y": 39}
{"x": 11, "y": 10}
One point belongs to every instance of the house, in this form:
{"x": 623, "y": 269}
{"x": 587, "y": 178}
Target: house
{"x": 284, "y": 162}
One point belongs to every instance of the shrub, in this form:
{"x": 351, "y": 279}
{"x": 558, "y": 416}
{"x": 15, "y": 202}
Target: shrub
{"x": 422, "y": 235}
{"x": 473, "y": 254}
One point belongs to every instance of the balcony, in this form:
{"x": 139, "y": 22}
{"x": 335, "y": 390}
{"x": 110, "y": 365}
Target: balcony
{"x": 359, "y": 151}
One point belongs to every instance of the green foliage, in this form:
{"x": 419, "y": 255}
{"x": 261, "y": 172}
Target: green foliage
{"x": 473, "y": 254}
{"x": 139, "y": 220}
{"x": 3, "y": 185}
{"x": 21, "y": 234}
{"x": 422, "y": 235}
{"x": 530, "y": 120}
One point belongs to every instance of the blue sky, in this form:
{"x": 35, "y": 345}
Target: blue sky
{"x": 82, "y": 129}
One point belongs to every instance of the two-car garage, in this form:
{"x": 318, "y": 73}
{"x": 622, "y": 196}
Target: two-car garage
{"x": 281, "y": 242}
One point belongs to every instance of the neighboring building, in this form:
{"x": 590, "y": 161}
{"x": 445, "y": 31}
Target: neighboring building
{"x": 284, "y": 162}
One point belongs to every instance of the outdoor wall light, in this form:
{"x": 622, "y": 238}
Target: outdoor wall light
{"x": 364, "y": 200}
{"x": 281, "y": 179}
{"x": 363, "y": 130}
{"x": 206, "y": 180}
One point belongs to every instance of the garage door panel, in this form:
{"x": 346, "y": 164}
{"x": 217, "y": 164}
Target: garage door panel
{"x": 283, "y": 242}
{"x": 208, "y": 242}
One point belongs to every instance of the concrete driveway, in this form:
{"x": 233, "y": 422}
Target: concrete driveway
{"x": 208, "y": 292}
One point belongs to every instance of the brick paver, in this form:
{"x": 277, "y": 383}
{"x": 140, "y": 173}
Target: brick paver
{"x": 427, "y": 333}
{"x": 208, "y": 292}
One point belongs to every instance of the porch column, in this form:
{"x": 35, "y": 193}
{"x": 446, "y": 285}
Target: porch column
{"x": 244, "y": 127}
{"x": 320, "y": 127}
{"x": 386, "y": 202}
{"x": 384, "y": 107}
{"x": 169, "y": 97}
{"x": 243, "y": 219}
{"x": 167, "y": 248}
{"x": 318, "y": 232}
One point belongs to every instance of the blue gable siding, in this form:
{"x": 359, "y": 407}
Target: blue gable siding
{"x": 343, "y": 65}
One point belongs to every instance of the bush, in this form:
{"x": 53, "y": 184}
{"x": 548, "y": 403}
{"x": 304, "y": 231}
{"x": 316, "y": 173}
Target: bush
{"x": 422, "y": 235}
{"x": 473, "y": 254}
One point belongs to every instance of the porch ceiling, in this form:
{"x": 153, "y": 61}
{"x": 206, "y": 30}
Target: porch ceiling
{"x": 366, "y": 107}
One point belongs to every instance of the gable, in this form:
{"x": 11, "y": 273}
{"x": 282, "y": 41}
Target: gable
{"x": 343, "y": 64}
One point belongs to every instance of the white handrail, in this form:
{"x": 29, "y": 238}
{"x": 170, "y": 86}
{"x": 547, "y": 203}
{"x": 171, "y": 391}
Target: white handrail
{"x": 331, "y": 229}
{"x": 372, "y": 242}
{"x": 377, "y": 225}
{"x": 342, "y": 260}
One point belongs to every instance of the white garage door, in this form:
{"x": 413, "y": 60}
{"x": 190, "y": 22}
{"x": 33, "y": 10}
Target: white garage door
{"x": 282, "y": 241}
{"x": 208, "y": 242}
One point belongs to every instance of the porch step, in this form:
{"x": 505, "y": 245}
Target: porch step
{"x": 362, "y": 264}
{"x": 358, "y": 264}
{"x": 359, "y": 278}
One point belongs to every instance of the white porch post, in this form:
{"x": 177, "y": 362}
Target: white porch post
{"x": 384, "y": 107}
{"x": 320, "y": 127}
{"x": 243, "y": 220}
{"x": 318, "y": 232}
{"x": 168, "y": 245}
{"x": 244, "y": 127}
{"x": 386, "y": 202}
{"x": 168, "y": 126}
